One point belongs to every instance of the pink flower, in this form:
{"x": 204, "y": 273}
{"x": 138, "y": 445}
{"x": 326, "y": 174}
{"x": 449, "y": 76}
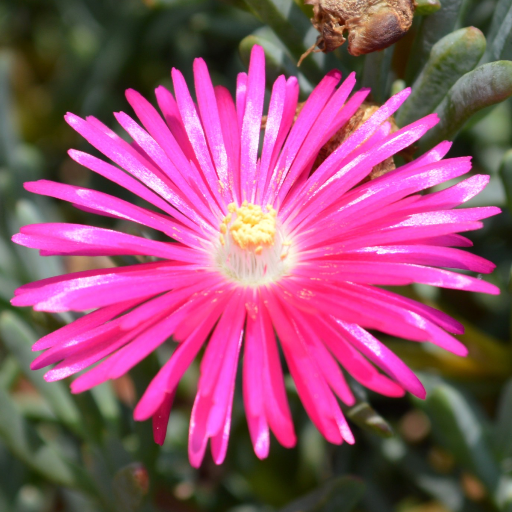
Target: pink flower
{"x": 260, "y": 247}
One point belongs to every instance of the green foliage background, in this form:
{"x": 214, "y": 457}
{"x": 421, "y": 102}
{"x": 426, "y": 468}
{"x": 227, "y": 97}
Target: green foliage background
{"x": 59, "y": 452}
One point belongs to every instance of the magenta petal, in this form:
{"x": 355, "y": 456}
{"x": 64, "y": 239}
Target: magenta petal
{"x": 172, "y": 116}
{"x": 386, "y": 273}
{"x": 60, "y": 238}
{"x": 354, "y": 362}
{"x": 210, "y": 118}
{"x": 103, "y": 289}
{"x": 115, "y": 174}
{"x": 315, "y": 395}
{"x": 251, "y": 123}
{"x": 219, "y": 442}
{"x": 455, "y": 195}
{"x": 82, "y": 325}
{"x": 211, "y": 417}
{"x": 315, "y": 139}
{"x": 290, "y": 107}
{"x": 124, "y": 155}
{"x": 168, "y": 377}
{"x": 196, "y": 135}
{"x": 87, "y": 357}
{"x": 161, "y": 418}
{"x": 253, "y": 387}
{"x": 110, "y": 205}
{"x": 326, "y": 363}
{"x": 308, "y": 114}
{"x": 421, "y": 255}
{"x": 274, "y": 118}
{"x": 363, "y": 132}
{"x": 166, "y": 151}
{"x": 241, "y": 95}
{"x": 231, "y": 134}
{"x": 324, "y": 187}
{"x": 383, "y": 357}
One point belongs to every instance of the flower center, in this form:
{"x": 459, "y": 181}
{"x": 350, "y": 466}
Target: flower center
{"x": 250, "y": 228}
{"x": 252, "y": 248}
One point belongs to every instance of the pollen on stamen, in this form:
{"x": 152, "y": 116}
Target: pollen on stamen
{"x": 252, "y": 245}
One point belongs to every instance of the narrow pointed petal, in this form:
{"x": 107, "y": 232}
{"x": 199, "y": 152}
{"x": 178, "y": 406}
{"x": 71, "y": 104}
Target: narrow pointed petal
{"x": 161, "y": 418}
{"x": 251, "y": 122}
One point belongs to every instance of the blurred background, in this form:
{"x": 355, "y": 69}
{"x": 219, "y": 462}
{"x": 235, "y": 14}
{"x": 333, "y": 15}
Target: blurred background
{"x": 84, "y": 453}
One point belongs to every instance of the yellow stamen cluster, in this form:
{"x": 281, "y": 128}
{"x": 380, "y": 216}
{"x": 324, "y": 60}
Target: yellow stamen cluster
{"x": 253, "y": 248}
{"x": 251, "y": 228}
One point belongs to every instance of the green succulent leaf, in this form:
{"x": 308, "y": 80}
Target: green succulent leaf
{"x": 500, "y": 33}
{"x": 277, "y": 60}
{"x": 451, "y": 58}
{"x": 503, "y": 433}
{"x": 365, "y": 416}
{"x": 163, "y": 4}
{"x": 18, "y": 338}
{"x": 484, "y": 86}
{"x": 9, "y": 372}
{"x": 376, "y": 74}
{"x": 427, "y": 7}
{"x": 294, "y": 29}
{"x": 459, "y": 427}
{"x": 506, "y": 176}
{"x": 7, "y": 287}
{"x": 27, "y": 445}
{"x": 442, "y": 487}
{"x": 431, "y": 30}
{"x": 8, "y": 130}
{"x": 339, "y": 495}
{"x": 28, "y": 212}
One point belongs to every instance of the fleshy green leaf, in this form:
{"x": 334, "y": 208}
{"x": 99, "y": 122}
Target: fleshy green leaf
{"x": 107, "y": 402}
{"x": 427, "y": 7}
{"x": 459, "y": 428}
{"x": 27, "y": 212}
{"x": 376, "y": 74}
{"x": 7, "y": 260}
{"x": 236, "y": 3}
{"x": 444, "y": 488}
{"x": 277, "y": 60}
{"x": 294, "y": 29}
{"x": 9, "y": 372}
{"x": 19, "y": 338}
{"x": 432, "y": 29}
{"x": 8, "y": 131}
{"x": 500, "y": 34}
{"x": 365, "y": 416}
{"x": 7, "y": 287}
{"x": 27, "y": 445}
{"x": 484, "y": 86}
{"x": 503, "y": 429}
{"x": 94, "y": 424}
{"x": 451, "y": 58}
{"x": 339, "y": 495}
{"x": 506, "y": 176}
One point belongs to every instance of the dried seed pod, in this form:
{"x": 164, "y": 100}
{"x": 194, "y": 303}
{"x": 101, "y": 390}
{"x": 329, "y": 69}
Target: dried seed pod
{"x": 371, "y": 24}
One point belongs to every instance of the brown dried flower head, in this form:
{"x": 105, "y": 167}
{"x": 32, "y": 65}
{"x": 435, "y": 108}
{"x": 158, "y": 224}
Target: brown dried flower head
{"x": 371, "y": 25}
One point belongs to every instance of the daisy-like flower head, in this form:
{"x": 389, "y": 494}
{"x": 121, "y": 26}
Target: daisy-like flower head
{"x": 256, "y": 248}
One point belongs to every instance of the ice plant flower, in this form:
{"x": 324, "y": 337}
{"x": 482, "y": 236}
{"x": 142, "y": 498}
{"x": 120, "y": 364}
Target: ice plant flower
{"x": 256, "y": 252}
